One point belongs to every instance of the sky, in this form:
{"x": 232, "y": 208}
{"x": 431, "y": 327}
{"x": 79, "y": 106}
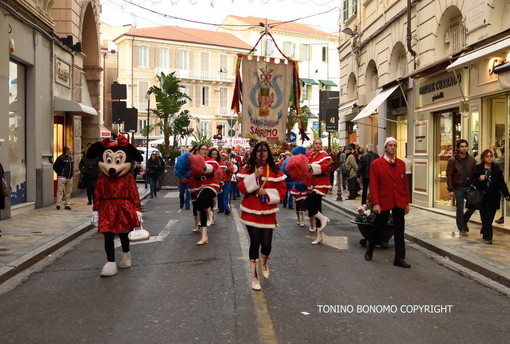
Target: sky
{"x": 322, "y": 14}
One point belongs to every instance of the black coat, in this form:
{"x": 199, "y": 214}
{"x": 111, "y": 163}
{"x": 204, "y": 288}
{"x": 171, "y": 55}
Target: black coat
{"x": 2, "y": 199}
{"x": 492, "y": 197}
{"x": 64, "y": 166}
{"x": 364, "y": 164}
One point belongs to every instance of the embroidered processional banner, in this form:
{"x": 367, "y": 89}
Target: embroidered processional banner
{"x": 266, "y": 89}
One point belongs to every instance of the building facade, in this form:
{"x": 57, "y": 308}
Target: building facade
{"x": 315, "y": 50}
{"x": 49, "y": 85}
{"x": 428, "y": 73}
{"x": 203, "y": 60}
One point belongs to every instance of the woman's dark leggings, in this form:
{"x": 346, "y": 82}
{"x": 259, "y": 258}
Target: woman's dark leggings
{"x": 194, "y": 207}
{"x": 313, "y": 203}
{"x": 109, "y": 245}
{"x": 300, "y": 205}
{"x": 204, "y": 201}
{"x": 260, "y": 238}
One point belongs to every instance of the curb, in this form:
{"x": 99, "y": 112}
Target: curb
{"x": 27, "y": 260}
{"x": 490, "y": 271}
{"x": 24, "y": 262}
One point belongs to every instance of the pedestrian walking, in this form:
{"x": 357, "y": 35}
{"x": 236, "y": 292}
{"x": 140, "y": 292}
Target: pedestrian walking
{"x": 263, "y": 186}
{"x": 184, "y": 194}
{"x": 299, "y": 191}
{"x": 319, "y": 162}
{"x": 161, "y": 169}
{"x": 343, "y": 170}
{"x": 287, "y": 200}
{"x": 223, "y": 197}
{"x": 489, "y": 177}
{"x": 333, "y": 167}
{"x": 214, "y": 153}
{"x": 89, "y": 169}
{"x": 152, "y": 170}
{"x": 204, "y": 187}
{"x": 4, "y": 188}
{"x": 499, "y": 159}
{"x": 389, "y": 192}
{"x": 116, "y": 208}
{"x": 364, "y": 170}
{"x": 459, "y": 176}
{"x": 351, "y": 167}
{"x": 64, "y": 167}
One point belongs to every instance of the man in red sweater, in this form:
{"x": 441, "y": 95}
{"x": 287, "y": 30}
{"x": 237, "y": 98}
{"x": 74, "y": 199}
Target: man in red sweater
{"x": 389, "y": 192}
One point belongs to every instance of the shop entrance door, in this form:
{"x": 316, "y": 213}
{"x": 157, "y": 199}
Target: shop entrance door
{"x": 58, "y": 145}
{"x": 447, "y": 131}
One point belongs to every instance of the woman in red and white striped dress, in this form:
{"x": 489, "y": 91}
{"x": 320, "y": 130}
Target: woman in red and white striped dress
{"x": 319, "y": 166}
{"x": 263, "y": 186}
{"x": 204, "y": 186}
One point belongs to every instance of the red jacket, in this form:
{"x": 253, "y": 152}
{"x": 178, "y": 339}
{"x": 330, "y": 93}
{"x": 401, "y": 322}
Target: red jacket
{"x": 253, "y": 211}
{"x": 388, "y": 184}
{"x": 205, "y": 180}
{"x": 319, "y": 163}
{"x": 117, "y": 201}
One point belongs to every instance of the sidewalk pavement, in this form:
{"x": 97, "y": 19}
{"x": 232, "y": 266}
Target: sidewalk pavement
{"x": 436, "y": 231}
{"x": 29, "y": 237}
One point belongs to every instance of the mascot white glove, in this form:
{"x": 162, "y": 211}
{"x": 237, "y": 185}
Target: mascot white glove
{"x": 95, "y": 218}
{"x": 140, "y": 215}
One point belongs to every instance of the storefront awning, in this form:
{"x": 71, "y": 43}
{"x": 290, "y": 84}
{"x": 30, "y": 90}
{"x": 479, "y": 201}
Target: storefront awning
{"x": 374, "y": 103}
{"x": 474, "y": 56}
{"x": 308, "y": 81}
{"x": 328, "y": 83}
{"x": 61, "y": 104}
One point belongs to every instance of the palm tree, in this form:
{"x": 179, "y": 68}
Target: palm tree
{"x": 169, "y": 101}
{"x": 292, "y": 119}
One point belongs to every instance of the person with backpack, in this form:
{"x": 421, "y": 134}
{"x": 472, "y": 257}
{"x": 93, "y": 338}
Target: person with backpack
{"x": 89, "y": 169}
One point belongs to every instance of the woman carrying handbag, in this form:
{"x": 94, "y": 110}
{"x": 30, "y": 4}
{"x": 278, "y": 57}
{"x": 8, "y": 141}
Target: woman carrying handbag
{"x": 489, "y": 177}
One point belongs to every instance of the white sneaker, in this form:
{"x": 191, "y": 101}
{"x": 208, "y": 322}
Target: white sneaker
{"x": 109, "y": 269}
{"x": 125, "y": 262}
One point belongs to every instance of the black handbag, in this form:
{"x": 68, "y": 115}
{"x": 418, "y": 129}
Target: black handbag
{"x": 81, "y": 182}
{"x": 474, "y": 197}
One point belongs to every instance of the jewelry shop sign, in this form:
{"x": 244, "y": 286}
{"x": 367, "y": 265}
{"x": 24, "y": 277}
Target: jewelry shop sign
{"x": 442, "y": 88}
{"x": 62, "y": 73}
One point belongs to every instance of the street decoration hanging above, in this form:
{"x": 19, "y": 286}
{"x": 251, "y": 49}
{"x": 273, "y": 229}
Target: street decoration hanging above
{"x": 264, "y": 86}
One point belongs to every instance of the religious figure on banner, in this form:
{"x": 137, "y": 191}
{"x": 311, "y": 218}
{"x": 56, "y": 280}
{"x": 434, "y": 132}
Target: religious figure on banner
{"x": 266, "y": 97}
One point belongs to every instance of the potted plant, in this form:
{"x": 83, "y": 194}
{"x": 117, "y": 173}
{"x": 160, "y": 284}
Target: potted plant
{"x": 365, "y": 218}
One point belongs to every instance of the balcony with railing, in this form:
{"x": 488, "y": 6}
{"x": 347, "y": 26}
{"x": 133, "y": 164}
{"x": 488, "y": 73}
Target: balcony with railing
{"x": 193, "y": 74}
{"x": 456, "y": 38}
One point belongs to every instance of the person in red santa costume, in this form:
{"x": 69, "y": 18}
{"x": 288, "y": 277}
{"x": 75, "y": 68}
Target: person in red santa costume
{"x": 389, "y": 192}
{"x": 204, "y": 186}
{"x": 263, "y": 186}
{"x": 116, "y": 208}
{"x": 229, "y": 169}
{"x": 319, "y": 162}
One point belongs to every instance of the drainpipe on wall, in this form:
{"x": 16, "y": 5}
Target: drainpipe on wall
{"x": 409, "y": 36}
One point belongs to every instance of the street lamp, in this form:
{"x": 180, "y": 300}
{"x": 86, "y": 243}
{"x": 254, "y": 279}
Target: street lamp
{"x": 148, "y": 97}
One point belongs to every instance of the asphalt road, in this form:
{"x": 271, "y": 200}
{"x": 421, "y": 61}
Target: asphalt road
{"x": 178, "y": 292}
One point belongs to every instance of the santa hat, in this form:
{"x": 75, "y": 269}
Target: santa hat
{"x": 389, "y": 139}
{"x": 223, "y": 152}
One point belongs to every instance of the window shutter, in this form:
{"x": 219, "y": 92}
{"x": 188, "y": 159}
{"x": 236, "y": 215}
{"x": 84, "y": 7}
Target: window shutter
{"x": 150, "y": 58}
{"x": 190, "y": 60}
{"x": 135, "y": 51}
{"x": 190, "y": 94}
{"x": 157, "y": 51}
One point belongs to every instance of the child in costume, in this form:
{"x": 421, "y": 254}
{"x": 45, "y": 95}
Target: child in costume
{"x": 116, "y": 208}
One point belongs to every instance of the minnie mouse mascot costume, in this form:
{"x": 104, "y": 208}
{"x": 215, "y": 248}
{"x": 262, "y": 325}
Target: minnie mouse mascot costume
{"x": 116, "y": 208}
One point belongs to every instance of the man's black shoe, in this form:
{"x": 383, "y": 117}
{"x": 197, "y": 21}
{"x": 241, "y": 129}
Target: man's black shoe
{"x": 187, "y": 208}
{"x": 67, "y": 207}
{"x": 500, "y": 220}
{"x": 284, "y": 205}
{"x": 227, "y": 212}
{"x": 58, "y": 207}
{"x": 402, "y": 263}
{"x": 291, "y": 207}
{"x": 220, "y": 211}
{"x": 368, "y": 255}
{"x": 89, "y": 203}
